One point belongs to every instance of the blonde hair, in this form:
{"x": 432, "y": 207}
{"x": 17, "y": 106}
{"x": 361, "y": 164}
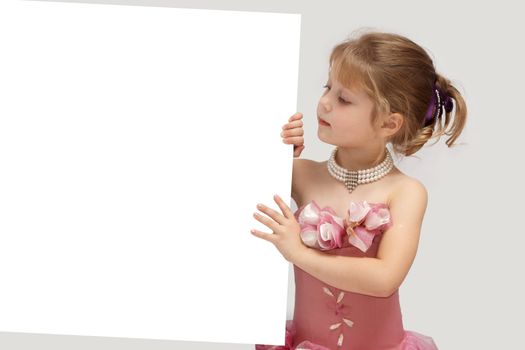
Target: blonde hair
{"x": 399, "y": 76}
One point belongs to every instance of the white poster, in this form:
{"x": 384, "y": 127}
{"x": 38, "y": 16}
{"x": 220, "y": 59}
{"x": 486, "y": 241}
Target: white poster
{"x": 135, "y": 143}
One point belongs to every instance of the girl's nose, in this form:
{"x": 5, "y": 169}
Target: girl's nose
{"x": 326, "y": 106}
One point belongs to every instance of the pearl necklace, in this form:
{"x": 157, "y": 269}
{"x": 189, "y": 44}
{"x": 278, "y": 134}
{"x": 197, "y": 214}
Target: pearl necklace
{"x": 352, "y": 178}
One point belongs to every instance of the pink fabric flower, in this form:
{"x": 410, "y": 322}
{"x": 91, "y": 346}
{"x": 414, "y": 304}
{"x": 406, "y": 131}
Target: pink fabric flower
{"x": 364, "y": 221}
{"x": 357, "y": 211}
{"x": 378, "y": 217}
{"x": 320, "y": 228}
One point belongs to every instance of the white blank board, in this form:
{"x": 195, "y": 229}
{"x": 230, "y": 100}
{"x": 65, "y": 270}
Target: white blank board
{"x": 135, "y": 143}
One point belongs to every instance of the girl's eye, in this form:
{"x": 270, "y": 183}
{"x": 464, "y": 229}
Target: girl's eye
{"x": 340, "y": 99}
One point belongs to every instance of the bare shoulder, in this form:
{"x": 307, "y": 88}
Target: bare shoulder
{"x": 409, "y": 191}
{"x": 302, "y": 170}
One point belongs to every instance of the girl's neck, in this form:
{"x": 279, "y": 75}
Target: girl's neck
{"x": 360, "y": 158}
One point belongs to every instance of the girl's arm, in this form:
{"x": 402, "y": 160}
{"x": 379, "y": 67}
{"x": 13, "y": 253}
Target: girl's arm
{"x": 299, "y": 177}
{"x": 380, "y": 276}
{"x": 295, "y": 176}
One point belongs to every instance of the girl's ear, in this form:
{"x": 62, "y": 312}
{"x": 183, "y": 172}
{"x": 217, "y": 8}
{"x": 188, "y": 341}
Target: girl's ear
{"x": 391, "y": 124}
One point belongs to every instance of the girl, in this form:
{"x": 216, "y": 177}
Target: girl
{"x": 355, "y": 233}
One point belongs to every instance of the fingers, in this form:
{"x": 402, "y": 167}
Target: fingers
{"x": 294, "y": 121}
{"x": 278, "y": 219}
{"x": 292, "y": 132}
{"x": 299, "y": 140}
{"x": 293, "y": 125}
{"x": 266, "y": 236}
{"x": 293, "y": 136}
{"x": 297, "y": 115}
{"x": 276, "y": 216}
{"x": 284, "y": 207}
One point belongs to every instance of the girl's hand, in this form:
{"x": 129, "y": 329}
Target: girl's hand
{"x": 286, "y": 230}
{"x": 293, "y": 133}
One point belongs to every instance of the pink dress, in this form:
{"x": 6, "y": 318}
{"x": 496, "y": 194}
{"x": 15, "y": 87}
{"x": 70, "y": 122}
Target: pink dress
{"x": 328, "y": 318}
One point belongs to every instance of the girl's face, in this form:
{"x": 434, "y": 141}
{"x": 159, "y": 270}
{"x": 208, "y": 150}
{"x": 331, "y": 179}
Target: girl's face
{"x": 348, "y": 112}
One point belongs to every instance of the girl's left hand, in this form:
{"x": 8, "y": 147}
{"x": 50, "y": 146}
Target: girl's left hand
{"x": 286, "y": 230}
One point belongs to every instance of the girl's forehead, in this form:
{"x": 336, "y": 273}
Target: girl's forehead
{"x": 353, "y": 90}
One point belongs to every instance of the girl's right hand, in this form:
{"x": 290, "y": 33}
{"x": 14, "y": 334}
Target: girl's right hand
{"x": 293, "y": 133}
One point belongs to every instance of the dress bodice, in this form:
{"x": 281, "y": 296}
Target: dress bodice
{"x": 329, "y": 318}
{"x": 336, "y": 318}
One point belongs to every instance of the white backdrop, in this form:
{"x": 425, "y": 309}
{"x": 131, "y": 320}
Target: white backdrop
{"x": 465, "y": 288}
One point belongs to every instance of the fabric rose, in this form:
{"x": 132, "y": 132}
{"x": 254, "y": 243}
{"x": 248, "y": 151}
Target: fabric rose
{"x": 364, "y": 221}
{"x": 320, "y": 228}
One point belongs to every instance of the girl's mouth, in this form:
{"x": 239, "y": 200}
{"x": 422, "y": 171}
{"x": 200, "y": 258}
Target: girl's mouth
{"x": 322, "y": 122}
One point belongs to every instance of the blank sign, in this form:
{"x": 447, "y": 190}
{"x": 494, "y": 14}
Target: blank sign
{"x": 135, "y": 143}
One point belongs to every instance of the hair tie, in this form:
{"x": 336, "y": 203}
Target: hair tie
{"x": 439, "y": 101}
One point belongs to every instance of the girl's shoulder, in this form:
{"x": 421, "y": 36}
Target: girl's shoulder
{"x": 408, "y": 186}
{"x": 400, "y": 184}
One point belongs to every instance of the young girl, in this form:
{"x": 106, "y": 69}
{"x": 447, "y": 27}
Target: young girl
{"x": 355, "y": 233}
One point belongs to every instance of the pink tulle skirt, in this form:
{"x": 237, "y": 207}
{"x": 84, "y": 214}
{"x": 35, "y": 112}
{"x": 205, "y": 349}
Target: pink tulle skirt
{"x": 412, "y": 341}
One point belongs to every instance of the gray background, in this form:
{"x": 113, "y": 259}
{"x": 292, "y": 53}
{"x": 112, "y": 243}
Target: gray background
{"x": 465, "y": 287}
